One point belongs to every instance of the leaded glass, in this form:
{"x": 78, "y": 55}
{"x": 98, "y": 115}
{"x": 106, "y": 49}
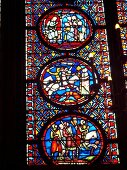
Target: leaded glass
{"x": 67, "y": 70}
{"x": 71, "y": 139}
{"x": 122, "y": 11}
{"x": 122, "y": 19}
{"x": 123, "y": 33}
{"x": 65, "y": 28}
{"x": 68, "y": 81}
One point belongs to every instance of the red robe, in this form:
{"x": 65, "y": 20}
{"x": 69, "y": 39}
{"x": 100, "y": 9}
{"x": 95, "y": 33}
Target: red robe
{"x": 69, "y": 138}
{"x": 78, "y": 136}
{"x": 56, "y": 145}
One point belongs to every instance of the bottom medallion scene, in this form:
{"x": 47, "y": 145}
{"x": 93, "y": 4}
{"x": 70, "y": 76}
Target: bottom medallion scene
{"x": 71, "y": 139}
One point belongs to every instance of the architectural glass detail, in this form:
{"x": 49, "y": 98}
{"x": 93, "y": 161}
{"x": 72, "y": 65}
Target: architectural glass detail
{"x": 67, "y": 71}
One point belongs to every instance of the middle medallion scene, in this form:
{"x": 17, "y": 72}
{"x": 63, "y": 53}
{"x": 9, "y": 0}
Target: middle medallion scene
{"x": 68, "y": 81}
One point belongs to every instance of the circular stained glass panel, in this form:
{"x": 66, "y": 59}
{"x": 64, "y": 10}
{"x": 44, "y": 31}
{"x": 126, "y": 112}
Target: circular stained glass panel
{"x": 71, "y": 139}
{"x": 68, "y": 82}
{"x": 65, "y": 28}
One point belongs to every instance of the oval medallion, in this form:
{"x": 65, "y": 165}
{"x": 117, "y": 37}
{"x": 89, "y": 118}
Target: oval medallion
{"x": 71, "y": 139}
{"x": 65, "y": 28}
{"x": 68, "y": 81}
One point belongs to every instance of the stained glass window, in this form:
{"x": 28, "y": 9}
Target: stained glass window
{"x": 68, "y": 84}
{"x": 71, "y": 90}
{"x": 122, "y": 19}
{"x": 71, "y": 139}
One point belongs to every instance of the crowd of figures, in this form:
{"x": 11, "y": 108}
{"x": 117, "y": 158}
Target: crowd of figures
{"x": 73, "y": 139}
